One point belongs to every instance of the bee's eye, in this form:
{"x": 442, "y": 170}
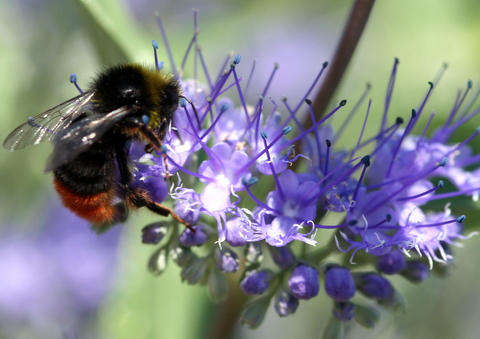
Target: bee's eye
{"x": 145, "y": 119}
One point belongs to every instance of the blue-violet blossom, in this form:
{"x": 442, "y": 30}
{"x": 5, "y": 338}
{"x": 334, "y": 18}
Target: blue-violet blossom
{"x": 247, "y": 175}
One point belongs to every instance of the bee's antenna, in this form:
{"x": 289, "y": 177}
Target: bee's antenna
{"x": 73, "y": 80}
{"x": 194, "y": 109}
{"x": 158, "y": 65}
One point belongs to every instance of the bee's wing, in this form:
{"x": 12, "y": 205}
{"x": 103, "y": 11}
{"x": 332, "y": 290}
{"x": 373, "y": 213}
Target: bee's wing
{"x": 72, "y": 141}
{"x": 47, "y": 124}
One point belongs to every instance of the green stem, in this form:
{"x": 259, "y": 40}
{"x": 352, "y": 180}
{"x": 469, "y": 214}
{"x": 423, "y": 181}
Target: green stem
{"x": 346, "y": 46}
{"x": 228, "y": 313}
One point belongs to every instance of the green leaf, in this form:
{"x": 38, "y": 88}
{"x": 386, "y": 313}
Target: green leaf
{"x": 158, "y": 261}
{"x": 112, "y": 31}
{"x": 254, "y": 312}
{"x": 335, "y": 329}
{"x": 368, "y": 317}
{"x": 217, "y": 286}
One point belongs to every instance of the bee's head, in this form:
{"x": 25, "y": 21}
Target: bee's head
{"x": 119, "y": 86}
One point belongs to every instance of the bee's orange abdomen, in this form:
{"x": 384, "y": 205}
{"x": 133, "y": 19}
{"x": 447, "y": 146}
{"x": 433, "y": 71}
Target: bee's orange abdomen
{"x": 97, "y": 208}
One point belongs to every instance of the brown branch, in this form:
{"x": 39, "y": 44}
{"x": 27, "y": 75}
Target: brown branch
{"x": 348, "y": 42}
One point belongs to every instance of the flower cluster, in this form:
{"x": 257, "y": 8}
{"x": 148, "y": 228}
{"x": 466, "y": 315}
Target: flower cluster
{"x": 252, "y": 181}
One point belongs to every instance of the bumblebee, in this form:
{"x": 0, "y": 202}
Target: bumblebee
{"x": 91, "y": 134}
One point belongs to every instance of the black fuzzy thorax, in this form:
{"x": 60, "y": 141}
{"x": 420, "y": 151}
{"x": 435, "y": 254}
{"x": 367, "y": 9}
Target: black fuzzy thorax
{"x": 92, "y": 172}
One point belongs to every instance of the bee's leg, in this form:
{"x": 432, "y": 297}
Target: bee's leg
{"x": 138, "y": 197}
{"x": 155, "y": 143}
{"x": 153, "y": 140}
{"x": 149, "y": 149}
{"x": 165, "y": 163}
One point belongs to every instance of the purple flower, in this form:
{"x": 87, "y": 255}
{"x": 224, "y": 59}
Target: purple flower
{"x": 280, "y": 231}
{"x": 279, "y": 155}
{"x": 237, "y": 167}
{"x": 236, "y": 233}
{"x": 232, "y": 126}
{"x": 291, "y": 205}
{"x": 186, "y": 213}
{"x": 233, "y": 164}
{"x": 223, "y": 172}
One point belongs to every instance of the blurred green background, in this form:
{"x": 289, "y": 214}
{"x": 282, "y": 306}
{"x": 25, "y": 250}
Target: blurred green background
{"x": 43, "y": 41}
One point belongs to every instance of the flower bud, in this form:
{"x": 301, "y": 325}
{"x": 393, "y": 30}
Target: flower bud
{"x": 181, "y": 255}
{"x": 282, "y": 256}
{"x": 226, "y": 260}
{"x": 256, "y": 281}
{"x": 304, "y": 282}
{"x": 339, "y": 283}
{"x": 373, "y": 285}
{"x": 153, "y": 233}
{"x": 285, "y": 303}
{"x": 344, "y": 310}
{"x": 195, "y": 236}
{"x": 415, "y": 271}
{"x": 392, "y": 262}
{"x": 254, "y": 253}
